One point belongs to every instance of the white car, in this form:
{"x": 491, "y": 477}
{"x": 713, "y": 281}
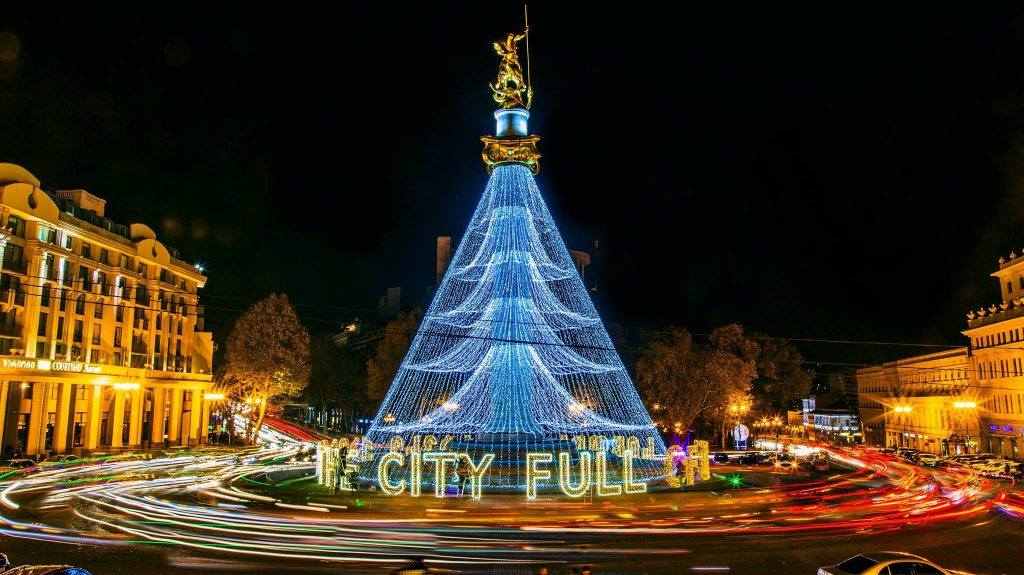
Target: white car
{"x": 929, "y": 459}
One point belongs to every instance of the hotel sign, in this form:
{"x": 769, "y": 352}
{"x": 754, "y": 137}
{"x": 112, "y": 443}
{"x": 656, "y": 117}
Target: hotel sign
{"x": 48, "y": 365}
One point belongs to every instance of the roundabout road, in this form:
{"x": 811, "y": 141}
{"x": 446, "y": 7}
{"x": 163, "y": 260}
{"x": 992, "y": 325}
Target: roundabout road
{"x": 221, "y": 512}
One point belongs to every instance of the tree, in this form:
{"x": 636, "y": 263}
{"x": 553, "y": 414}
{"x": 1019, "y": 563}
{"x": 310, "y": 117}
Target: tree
{"x": 325, "y": 377}
{"x": 733, "y": 367}
{"x": 267, "y": 358}
{"x": 391, "y": 350}
{"x": 781, "y": 377}
{"x": 670, "y": 376}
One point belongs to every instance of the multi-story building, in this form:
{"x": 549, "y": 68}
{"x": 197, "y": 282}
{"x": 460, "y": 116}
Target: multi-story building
{"x": 101, "y": 333}
{"x": 964, "y": 399}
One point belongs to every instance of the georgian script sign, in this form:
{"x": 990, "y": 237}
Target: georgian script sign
{"x": 48, "y": 365}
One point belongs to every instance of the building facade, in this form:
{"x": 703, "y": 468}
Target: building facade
{"x": 963, "y": 400}
{"x": 102, "y": 344}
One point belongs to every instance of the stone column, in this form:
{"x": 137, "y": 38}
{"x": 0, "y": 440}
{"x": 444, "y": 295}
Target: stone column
{"x": 157, "y": 417}
{"x": 5, "y": 393}
{"x": 174, "y": 424}
{"x": 116, "y": 419}
{"x": 37, "y": 418}
{"x": 92, "y": 422}
{"x": 65, "y": 418}
{"x": 135, "y": 425}
{"x": 204, "y": 418}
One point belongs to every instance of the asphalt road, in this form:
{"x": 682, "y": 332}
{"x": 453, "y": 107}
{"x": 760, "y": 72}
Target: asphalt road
{"x": 175, "y": 516}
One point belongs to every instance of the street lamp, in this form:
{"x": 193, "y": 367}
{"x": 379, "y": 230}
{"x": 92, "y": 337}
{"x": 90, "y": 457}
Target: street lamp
{"x": 903, "y": 419}
{"x": 960, "y": 409}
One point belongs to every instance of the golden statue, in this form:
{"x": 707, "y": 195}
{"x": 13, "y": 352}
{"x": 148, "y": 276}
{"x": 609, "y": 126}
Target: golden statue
{"x": 510, "y": 91}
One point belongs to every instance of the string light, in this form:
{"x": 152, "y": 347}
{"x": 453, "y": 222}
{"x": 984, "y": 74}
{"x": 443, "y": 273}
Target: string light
{"x": 565, "y": 475}
{"x": 512, "y": 353}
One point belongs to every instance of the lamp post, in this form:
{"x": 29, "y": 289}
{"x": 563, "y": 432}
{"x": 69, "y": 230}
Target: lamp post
{"x": 737, "y": 410}
{"x": 903, "y": 418}
{"x": 960, "y": 409}
{"x": 212, "y": 398}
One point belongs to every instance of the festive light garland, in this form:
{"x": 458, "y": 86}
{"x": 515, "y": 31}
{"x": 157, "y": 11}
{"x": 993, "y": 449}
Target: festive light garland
{"x": 511, "y": 358}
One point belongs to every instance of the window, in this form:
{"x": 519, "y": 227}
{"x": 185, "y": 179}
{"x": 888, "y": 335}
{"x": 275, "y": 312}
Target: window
{"x": 858, "y": 564}
{"x": 104, "y": 256}
{"x": 49, "y": 269}
{"x": 143, "y": 269}
{"x": 96, "y": 333}
{"x": 16, "y": 226}
{"x": 13, "y": 257}
{"x": 41, "y": 330}
{"x": 63, "y": 299}
{"x": 120, "y": 312}
{"x": 85, "y": 277}
{"x": 40, "y": 349}
{"x": 80, "y": 305}
{"x": 44, "y": 296}
{"x": 901, "y": 568}
{"x": 1009, "y": 287}
{"x": 925, "y": 569}
{"x": 179, "y": 326}
{"x": 79, "y": 433}
{"x": 101, "y": 279}
{"x": 159, "y": 321}
{"x": 67, "y": 241}
{"x": 117, "y": 336}
{"x": 86, "y": 251}
{"x": 47, "y": 234}
{"x": 78, "y": 331}
{"x": 60, "y": 327}
{"x": 156, "y": 344}
{"x": 123, "y": 261}
{"x": 65, "y": 271}
{"x": 97, "y": 310}
{"x": 163, "y": 275}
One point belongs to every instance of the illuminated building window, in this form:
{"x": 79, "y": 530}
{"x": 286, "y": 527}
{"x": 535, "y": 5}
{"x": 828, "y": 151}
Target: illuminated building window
{"x": 16, "y": 226}
{"x": 78, "y": 331}
{"x": 86, "y": 251}
{"x": 41, "y": 330}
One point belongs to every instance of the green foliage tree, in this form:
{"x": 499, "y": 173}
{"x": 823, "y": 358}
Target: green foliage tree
{"x": 781, "y": 376}
{"x": 266, "y": 358}
{"x": 382, "y": 367}
{"x": 682, "y": 381}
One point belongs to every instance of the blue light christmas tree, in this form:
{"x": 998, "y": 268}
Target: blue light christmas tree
{"x": 511, "y": 356}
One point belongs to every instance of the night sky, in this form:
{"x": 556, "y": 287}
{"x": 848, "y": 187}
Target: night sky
{"x": 845, "y": 172}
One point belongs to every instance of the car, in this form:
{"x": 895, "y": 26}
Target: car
{"x": 720, "y": 458}
{"x": 19, "y": 464}
{"x": 929, "y": 459}
{"x": 5, "y": 567}
{"x": 887, "y": 563}
{"x": 820, "y": 464}
{"x": 56, "y": 459}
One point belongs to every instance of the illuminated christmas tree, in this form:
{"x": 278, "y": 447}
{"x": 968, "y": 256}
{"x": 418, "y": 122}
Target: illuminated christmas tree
{"x": 511, "y": 357}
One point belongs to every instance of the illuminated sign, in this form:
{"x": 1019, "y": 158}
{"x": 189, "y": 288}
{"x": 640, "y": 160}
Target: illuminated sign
{"x": 48, "y": 365}
{"x": 602, "y": 466}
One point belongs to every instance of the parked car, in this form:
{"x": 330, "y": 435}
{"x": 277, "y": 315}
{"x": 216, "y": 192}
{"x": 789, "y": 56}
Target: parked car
{"x": 19, "y": 464}
{"x": 887, "y": 563}
{"x": 929, "y": 459}
{"x": 57, "y": 459}
{"x": 720, "y": 458}
{"x": 5, "y": 567}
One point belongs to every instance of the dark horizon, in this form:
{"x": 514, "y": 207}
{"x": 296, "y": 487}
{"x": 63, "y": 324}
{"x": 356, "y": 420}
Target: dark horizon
{"x": 806, "y": 172}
